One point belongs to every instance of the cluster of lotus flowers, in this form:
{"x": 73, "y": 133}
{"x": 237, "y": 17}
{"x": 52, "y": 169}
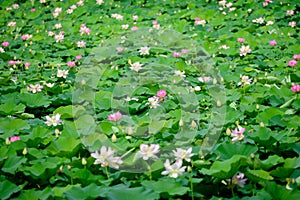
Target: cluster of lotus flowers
{"x": 105, "y": 157}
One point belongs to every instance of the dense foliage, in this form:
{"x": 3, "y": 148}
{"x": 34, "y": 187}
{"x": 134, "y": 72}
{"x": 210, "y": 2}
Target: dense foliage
{"x": 149, "y": 99}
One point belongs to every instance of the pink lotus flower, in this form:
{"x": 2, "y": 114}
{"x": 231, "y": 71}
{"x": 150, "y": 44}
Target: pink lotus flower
{"x": 154, "y": 22}
{"x": 265, "y": 3}
{"x": 295, "y": 88}
{"x": 241, "y": 40}
{"x": 197, "y": 19}
{"x": 115, "y": 117}
{"x": 161, "y": 94}
{"x": 238, "y": 134}
{"x": 244, "y": 50}
{"x": 237, "y": 180}
{"x": 273, "y": 43}
{"x": 35, "y": 88}
{"x": 290, "y": 12}
{"x": 297, "y": 56}
{"x": 292, "y": 24}
{"x": 32, "y": 10}
{"x": 14, "y": 138}
{"x": 5, "y": 43}
{"x": 11, "y": 62}
{"x": 27, "y": 64}
{"x": 78, "y": 57}
{"x": 81, "y": 44}
{"x": 176, "y": 54}
{"x": 119, "y": 49}
{"x": 25, "y": 37}
{"x": 134, "y": 28}
{"x": 71, "y": 63}
{"x": 184, "y": 51}
{"x": 292, "y": 63}
{"x": 87, "y": 31}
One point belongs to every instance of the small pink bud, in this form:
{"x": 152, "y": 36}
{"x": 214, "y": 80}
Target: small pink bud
{"x": 161, "y": 94}
{"x": 5, "y": 43}
{"x": 71, "y": 63}
{"x": 297, "y": 56}
{"x": 87, "y": 31}
{"x": 32, "y": 10}
{"x": 134, "y": 28}
{"x": 154, "y": 22}
{"x": 184, "y": 51}
{"x": 115, "y": 117}
{"x": 241, "y": 40}
{"x": 14, "y": 138}
{"x": 78, "y": 57}
{"x": 27, "y": 64}
{"x": 24, "y": 37}
{"x": 295, "y": 88}
{"x": 197, "y": 19}
{"x": 119, "y": 49}
{"x": 292, "y": 63}
{"x": 11, "y": 62}
{"x": 265, "y": 3}
{"x": 176, "y": 54}
{"x": 273, "y": 43}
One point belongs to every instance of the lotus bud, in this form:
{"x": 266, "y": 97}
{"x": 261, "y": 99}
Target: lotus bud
{"x": 24, "y": 151}
{"x": 215, "y": 81}
{"x": 219, "y": 103}
{"x": 83, "y": 161}
{"x": 113, "y": 138}
{"x": 261, "y": 124}
{"x": 228, "y": 132}
{"x": 180, "y": 122}
{"x": 197, "y": 88}
{"x": 194, "y": 124}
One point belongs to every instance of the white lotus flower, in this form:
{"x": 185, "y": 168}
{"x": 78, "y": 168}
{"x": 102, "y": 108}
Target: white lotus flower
{"x": 174, "y": 170}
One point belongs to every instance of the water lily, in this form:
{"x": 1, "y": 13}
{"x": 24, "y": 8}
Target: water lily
{"x": 147, "y": 151}
{"x": 71, "y": 63}
{"x": 245, "y": 80}
{"x": 295, "y": 88}
{"x": 35, "y": 88}
{"x": 292, "y": 63}
{"x": 273, "y": 43}
{"x": 181, "y": 154}
{"x": 238, "y": 134}
{"x": 161, "y": 94}
{"x": 14, "y": 138}
{"x": 244, "y": 50}
{"x": 153, "y": 101}
{"x": 54, "y": 120}
{"x": 180, "y": 73}
{"x": 115, "y": 117}
{"x": 173, "y": 170}
{"x": 144, "y": 51}
{"x": 81, "y": 44}
{"x": 135, "y": 66}
{"x": 106, "y": 158}
{"x": 238, "y": 180}
{"x": 62, "y": 73}
{"x": 5, "y": 44}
